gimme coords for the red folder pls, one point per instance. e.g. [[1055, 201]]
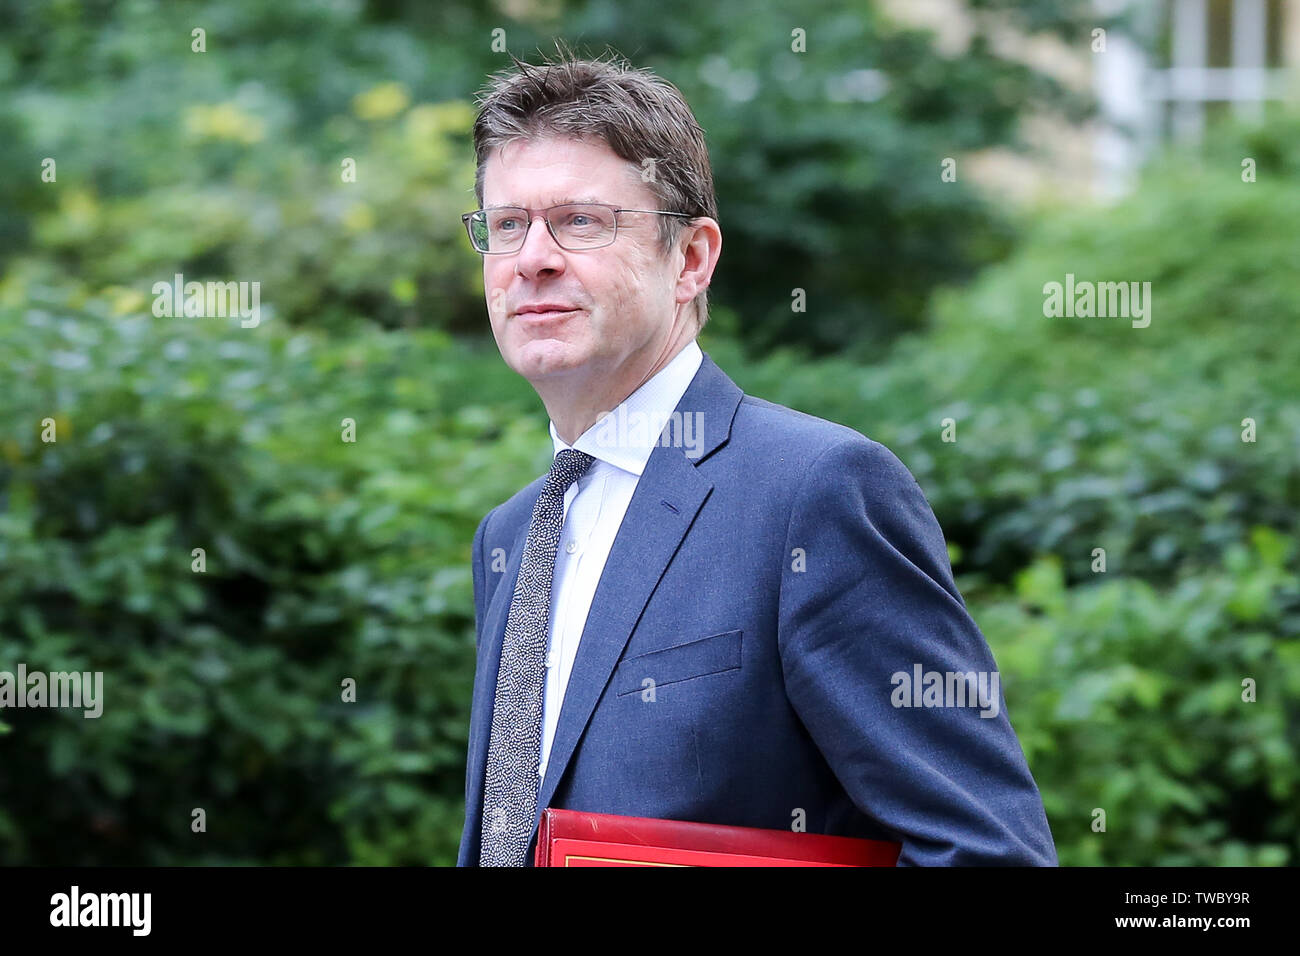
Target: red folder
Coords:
[[573, 838]]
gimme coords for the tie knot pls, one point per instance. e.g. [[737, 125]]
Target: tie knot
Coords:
[[569, 465]]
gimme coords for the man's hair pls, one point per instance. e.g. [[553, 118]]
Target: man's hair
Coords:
[[641, 117]]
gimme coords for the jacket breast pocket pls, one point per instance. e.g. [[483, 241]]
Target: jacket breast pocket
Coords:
[[714, 654]]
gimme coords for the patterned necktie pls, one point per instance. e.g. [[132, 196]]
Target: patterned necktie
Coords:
[[514, 749]]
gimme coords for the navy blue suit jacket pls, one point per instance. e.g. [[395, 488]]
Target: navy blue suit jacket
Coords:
[[736, 662]]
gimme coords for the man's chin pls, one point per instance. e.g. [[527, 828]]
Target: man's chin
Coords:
[[548, 358]]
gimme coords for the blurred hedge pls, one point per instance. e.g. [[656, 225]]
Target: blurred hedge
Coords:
[[385, 247], [227, 163], [1128, 697], [324, 560], [1075, 433]]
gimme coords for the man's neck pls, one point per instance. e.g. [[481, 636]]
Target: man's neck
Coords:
[[577, 409]]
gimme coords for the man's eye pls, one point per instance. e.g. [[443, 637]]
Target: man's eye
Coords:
[[583, 222], [504, 224]]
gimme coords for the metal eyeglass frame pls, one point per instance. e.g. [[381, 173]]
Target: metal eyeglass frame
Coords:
[[546, 216]]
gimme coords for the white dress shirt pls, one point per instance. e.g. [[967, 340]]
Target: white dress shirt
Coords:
[[594, 506]]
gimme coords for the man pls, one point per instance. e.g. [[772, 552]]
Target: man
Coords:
[[706, 610]]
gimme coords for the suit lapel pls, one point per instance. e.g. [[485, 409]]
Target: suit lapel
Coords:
[[668, 496]]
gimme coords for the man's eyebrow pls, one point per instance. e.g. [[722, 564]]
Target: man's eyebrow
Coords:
[[557, 202]]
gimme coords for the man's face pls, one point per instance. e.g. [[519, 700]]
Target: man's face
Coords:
[[618, 302]]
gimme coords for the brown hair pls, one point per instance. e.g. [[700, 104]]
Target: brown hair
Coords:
[[643, 119]]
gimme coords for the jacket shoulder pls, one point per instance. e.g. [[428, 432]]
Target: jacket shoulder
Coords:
[[767, 429]]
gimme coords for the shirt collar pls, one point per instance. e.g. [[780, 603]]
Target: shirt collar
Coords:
[[626, 436]]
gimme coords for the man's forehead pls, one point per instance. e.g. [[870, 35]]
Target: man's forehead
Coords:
[[550, 199], [554, 170]]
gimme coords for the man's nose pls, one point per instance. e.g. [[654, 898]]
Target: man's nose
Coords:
[[539, 253]]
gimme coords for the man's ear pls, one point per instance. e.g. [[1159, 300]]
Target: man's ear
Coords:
[[700, 245]]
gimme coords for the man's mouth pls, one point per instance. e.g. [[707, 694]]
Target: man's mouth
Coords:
[[545, 312]]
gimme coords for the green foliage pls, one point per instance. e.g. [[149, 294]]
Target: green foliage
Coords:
[[227, 163], [325, 560], [1132, 699], [387, 247], [1077, 433]]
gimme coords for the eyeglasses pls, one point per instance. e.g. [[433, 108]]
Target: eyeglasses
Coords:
[[575, 226]]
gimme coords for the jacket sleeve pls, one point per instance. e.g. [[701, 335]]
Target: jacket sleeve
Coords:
[[876, 601]]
